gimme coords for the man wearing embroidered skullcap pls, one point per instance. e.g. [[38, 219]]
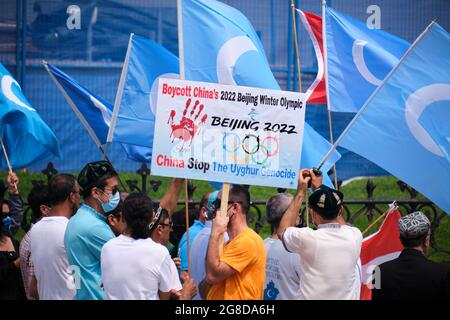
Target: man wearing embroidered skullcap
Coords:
[[412, 275], [88, 231], [328, 254]]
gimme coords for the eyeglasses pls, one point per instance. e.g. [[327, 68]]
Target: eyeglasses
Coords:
[[156, 218], [170, 224]]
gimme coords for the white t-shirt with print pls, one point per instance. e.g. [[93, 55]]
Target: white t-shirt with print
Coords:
[[328, 259], [283, 272], [136, 269]]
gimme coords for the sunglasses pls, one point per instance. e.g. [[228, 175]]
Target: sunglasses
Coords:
[[113, 191], [170, 224], [212, 207]]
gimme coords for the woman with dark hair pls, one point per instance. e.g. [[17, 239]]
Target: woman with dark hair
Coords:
[[134, 267], [11, 285]]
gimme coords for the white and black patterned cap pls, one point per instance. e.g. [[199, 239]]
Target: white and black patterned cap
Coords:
[[326, 200], [414, 225]]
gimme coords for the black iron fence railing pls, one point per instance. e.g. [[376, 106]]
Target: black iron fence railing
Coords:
[[368, 208]]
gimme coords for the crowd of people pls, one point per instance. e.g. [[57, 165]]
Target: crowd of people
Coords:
[[91, 241]]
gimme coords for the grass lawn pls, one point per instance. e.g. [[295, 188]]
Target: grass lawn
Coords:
[[386, 188]]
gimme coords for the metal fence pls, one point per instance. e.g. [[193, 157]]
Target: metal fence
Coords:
[[366, 210]]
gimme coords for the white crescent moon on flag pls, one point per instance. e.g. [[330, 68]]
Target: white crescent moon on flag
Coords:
[[229, 54], [6, 85], [360, 63], [153, 96], [106, 114], [416, 104]]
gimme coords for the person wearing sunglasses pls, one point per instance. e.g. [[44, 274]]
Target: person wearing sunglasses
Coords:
[[162, 228], [194, 230], [88, 230], [209, 207], [237, 274]]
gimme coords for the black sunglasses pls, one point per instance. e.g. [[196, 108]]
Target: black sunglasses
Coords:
[[170, 224], [113, 191], [215, 205]]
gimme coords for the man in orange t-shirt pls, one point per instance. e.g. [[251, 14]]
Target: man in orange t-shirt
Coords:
[[239, 274]]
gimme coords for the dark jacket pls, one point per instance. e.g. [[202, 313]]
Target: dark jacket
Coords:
[[11, 284], [413, 276], [15, 212]]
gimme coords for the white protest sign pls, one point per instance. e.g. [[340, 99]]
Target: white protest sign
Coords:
[[229, 134]]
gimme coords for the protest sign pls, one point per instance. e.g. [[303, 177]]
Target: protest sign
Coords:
[[231, 134]]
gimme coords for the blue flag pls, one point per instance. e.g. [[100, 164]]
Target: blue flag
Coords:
[[146, 61], [221, 46], [439, 130], [389, 130], [359, 59], [27, 138], [93, 112]]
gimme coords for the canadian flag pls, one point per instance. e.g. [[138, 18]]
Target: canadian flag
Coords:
[[316, 93], [382, 246]]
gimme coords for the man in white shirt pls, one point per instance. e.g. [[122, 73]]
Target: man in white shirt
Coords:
[[283, 269], [133, 266], [51, 267], [328, 254]]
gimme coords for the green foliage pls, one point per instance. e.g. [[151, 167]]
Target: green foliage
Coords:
[[386, 188]]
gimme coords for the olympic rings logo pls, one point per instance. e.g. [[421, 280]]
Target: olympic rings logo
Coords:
[[251, 147]]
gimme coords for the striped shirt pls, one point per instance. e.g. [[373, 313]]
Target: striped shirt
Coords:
[[26, 264]]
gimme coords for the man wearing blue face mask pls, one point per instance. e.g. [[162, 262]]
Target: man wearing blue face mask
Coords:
[[88, 230]]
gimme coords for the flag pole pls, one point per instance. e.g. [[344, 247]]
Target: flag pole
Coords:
[[82, 119], [7, 162], [299, 76], [325, 58], [369, 100], [297, 55], [373, 224], [187, 226], [392, 206], [181, 59], [118, 99], [74, 108]]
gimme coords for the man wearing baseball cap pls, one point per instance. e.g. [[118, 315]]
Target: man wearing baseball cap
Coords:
[[328, 254], [412, 275]]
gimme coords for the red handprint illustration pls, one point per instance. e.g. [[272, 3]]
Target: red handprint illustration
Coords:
[[188, 126]]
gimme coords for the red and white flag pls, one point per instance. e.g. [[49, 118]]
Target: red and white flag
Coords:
[[316, 93], [382, 246]]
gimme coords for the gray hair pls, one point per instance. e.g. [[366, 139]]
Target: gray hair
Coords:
[[276, 206]]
